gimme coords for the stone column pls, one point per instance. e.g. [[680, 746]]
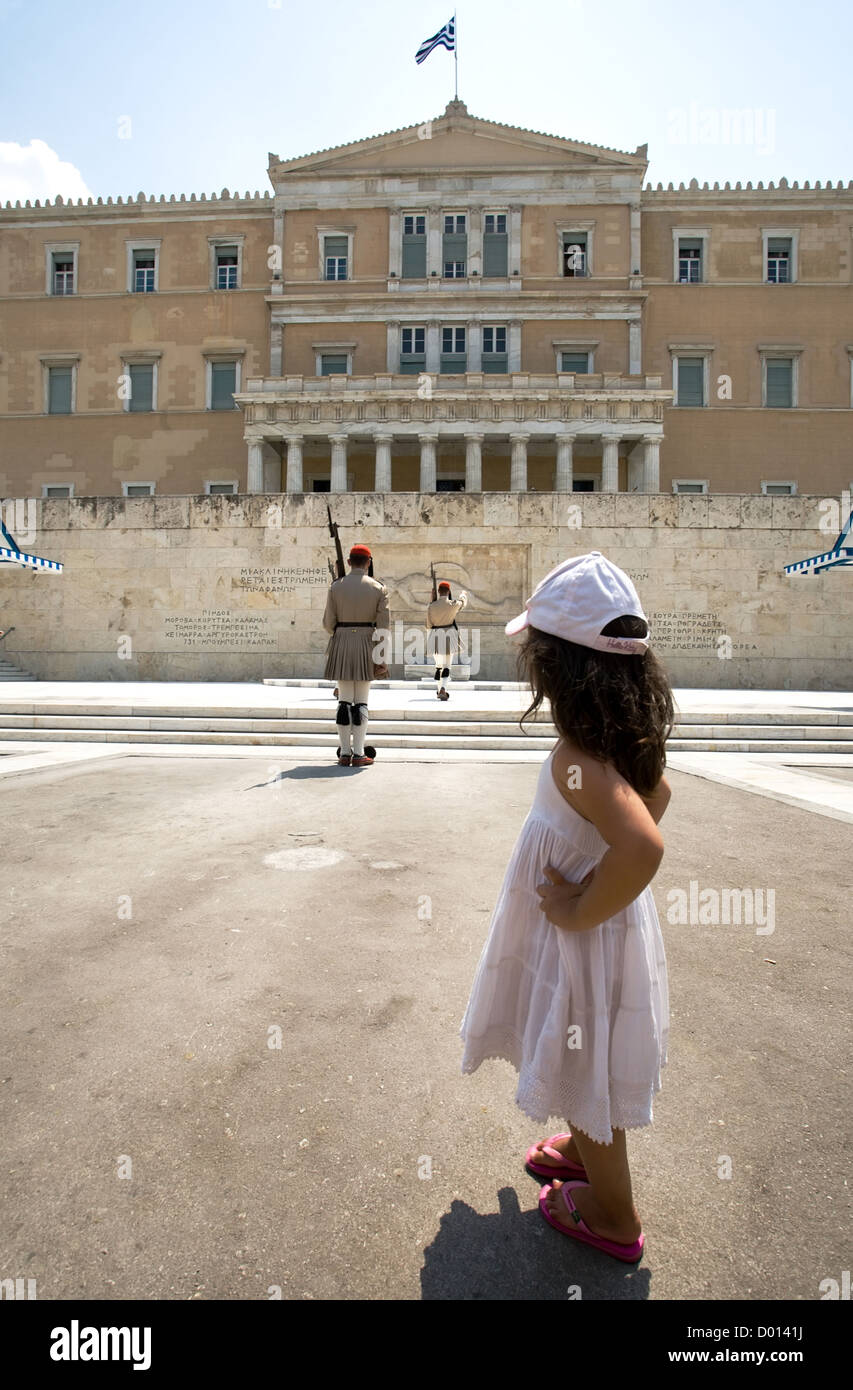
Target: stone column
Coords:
[[475, 345], [635, 347], [392, 334], [255, 472], [610, 464], [565, 463], [294, 463], [382, 479], [514, 345], [518, 467], [429, 443], [434, 242], [395, 248], [636, 249], [651, 463], [433, 348], [475, 241], [339, 463], [473, 463], [276, 348], [514, 244]]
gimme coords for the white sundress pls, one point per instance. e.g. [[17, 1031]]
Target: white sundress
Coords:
[[535, 981]]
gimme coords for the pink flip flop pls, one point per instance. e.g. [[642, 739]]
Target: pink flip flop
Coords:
[[630, 1254], [567, 1169]]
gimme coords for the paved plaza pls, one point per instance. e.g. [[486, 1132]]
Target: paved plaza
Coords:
[[172, 915]]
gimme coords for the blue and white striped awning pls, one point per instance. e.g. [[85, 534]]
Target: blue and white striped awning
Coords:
[[11, 555], [840, 554]]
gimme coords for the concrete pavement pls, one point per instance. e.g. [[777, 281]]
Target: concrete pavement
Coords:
[[166, 916]]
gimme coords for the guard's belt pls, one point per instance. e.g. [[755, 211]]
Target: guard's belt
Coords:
[[337, 625]]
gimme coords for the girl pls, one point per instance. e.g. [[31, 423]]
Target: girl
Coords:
[[571, 987]]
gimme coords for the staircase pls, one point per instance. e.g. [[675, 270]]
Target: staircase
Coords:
[[10, 672], [474, 728]]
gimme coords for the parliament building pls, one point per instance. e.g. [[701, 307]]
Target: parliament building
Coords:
[[459, 305]]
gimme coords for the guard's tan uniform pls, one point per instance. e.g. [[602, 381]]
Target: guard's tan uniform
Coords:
[[442, 638], [355, 599]]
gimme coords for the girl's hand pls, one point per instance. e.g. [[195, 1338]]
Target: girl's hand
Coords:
[[559, 898]]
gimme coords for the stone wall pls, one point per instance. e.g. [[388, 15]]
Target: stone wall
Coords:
[[229, 588]]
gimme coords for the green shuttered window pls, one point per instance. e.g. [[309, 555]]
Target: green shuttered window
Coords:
[[141, 388], [780, 381], [59, 390], [691, 381], [223, 385]]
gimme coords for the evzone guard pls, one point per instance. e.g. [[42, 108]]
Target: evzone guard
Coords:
[[357, 605], [443, 634]]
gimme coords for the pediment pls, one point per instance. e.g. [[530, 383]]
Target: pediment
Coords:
[[458, 142]]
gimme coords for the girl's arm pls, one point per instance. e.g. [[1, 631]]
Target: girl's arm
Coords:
[[659, 800], [635, 851]]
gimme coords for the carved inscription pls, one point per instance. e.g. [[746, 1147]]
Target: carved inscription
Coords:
[[218, 629]]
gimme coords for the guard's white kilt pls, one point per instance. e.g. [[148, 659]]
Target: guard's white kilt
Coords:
[[442, 643]]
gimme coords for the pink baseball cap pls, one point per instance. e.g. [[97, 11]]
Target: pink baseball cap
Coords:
[[579, 598]]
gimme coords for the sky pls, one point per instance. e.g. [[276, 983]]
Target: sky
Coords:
[[189, 96]]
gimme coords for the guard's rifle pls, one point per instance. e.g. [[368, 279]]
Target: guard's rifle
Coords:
[[339, 564], [337, 571], [434, 585]]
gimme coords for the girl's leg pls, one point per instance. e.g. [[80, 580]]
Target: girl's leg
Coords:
[[607, 1204]]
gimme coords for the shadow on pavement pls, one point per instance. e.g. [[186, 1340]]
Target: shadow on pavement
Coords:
[[311, 770], [513, 1255]]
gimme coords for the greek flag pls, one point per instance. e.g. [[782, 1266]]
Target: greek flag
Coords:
[[446, 37]]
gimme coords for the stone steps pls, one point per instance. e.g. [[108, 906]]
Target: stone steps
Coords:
[[436, 727], [471, 742]]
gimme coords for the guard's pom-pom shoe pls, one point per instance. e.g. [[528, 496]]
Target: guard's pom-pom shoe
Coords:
[[360, 760]]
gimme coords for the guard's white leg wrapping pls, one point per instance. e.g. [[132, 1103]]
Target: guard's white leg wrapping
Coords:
[[361, 690]]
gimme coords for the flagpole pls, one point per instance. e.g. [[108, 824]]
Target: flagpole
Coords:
[[456, 56]]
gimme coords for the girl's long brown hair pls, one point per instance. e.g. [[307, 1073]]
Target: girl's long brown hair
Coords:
[[617, 708]]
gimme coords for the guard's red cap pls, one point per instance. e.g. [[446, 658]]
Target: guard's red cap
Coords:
[[444, 587], [361, 552]]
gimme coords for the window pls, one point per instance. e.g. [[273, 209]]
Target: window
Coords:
[[779, 260], [583, 484], [495, 244], [414, 246], [61, 267], [690, 380], [778, 381], [59, 390], [57, 489], [336, 255], [226, 267], [779, 489], [577, 362], [141, 387], [412, 351], [454, 245], [689, 260], [495, 357], [450, 484], [223, 384], [689, 485], [333, 364], [212, 489], [138, 489], [453, 353], [63, 273], [143, 272], [574, 253]]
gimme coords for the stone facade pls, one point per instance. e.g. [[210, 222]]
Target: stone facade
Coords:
[[542, 309], [233, 588]]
